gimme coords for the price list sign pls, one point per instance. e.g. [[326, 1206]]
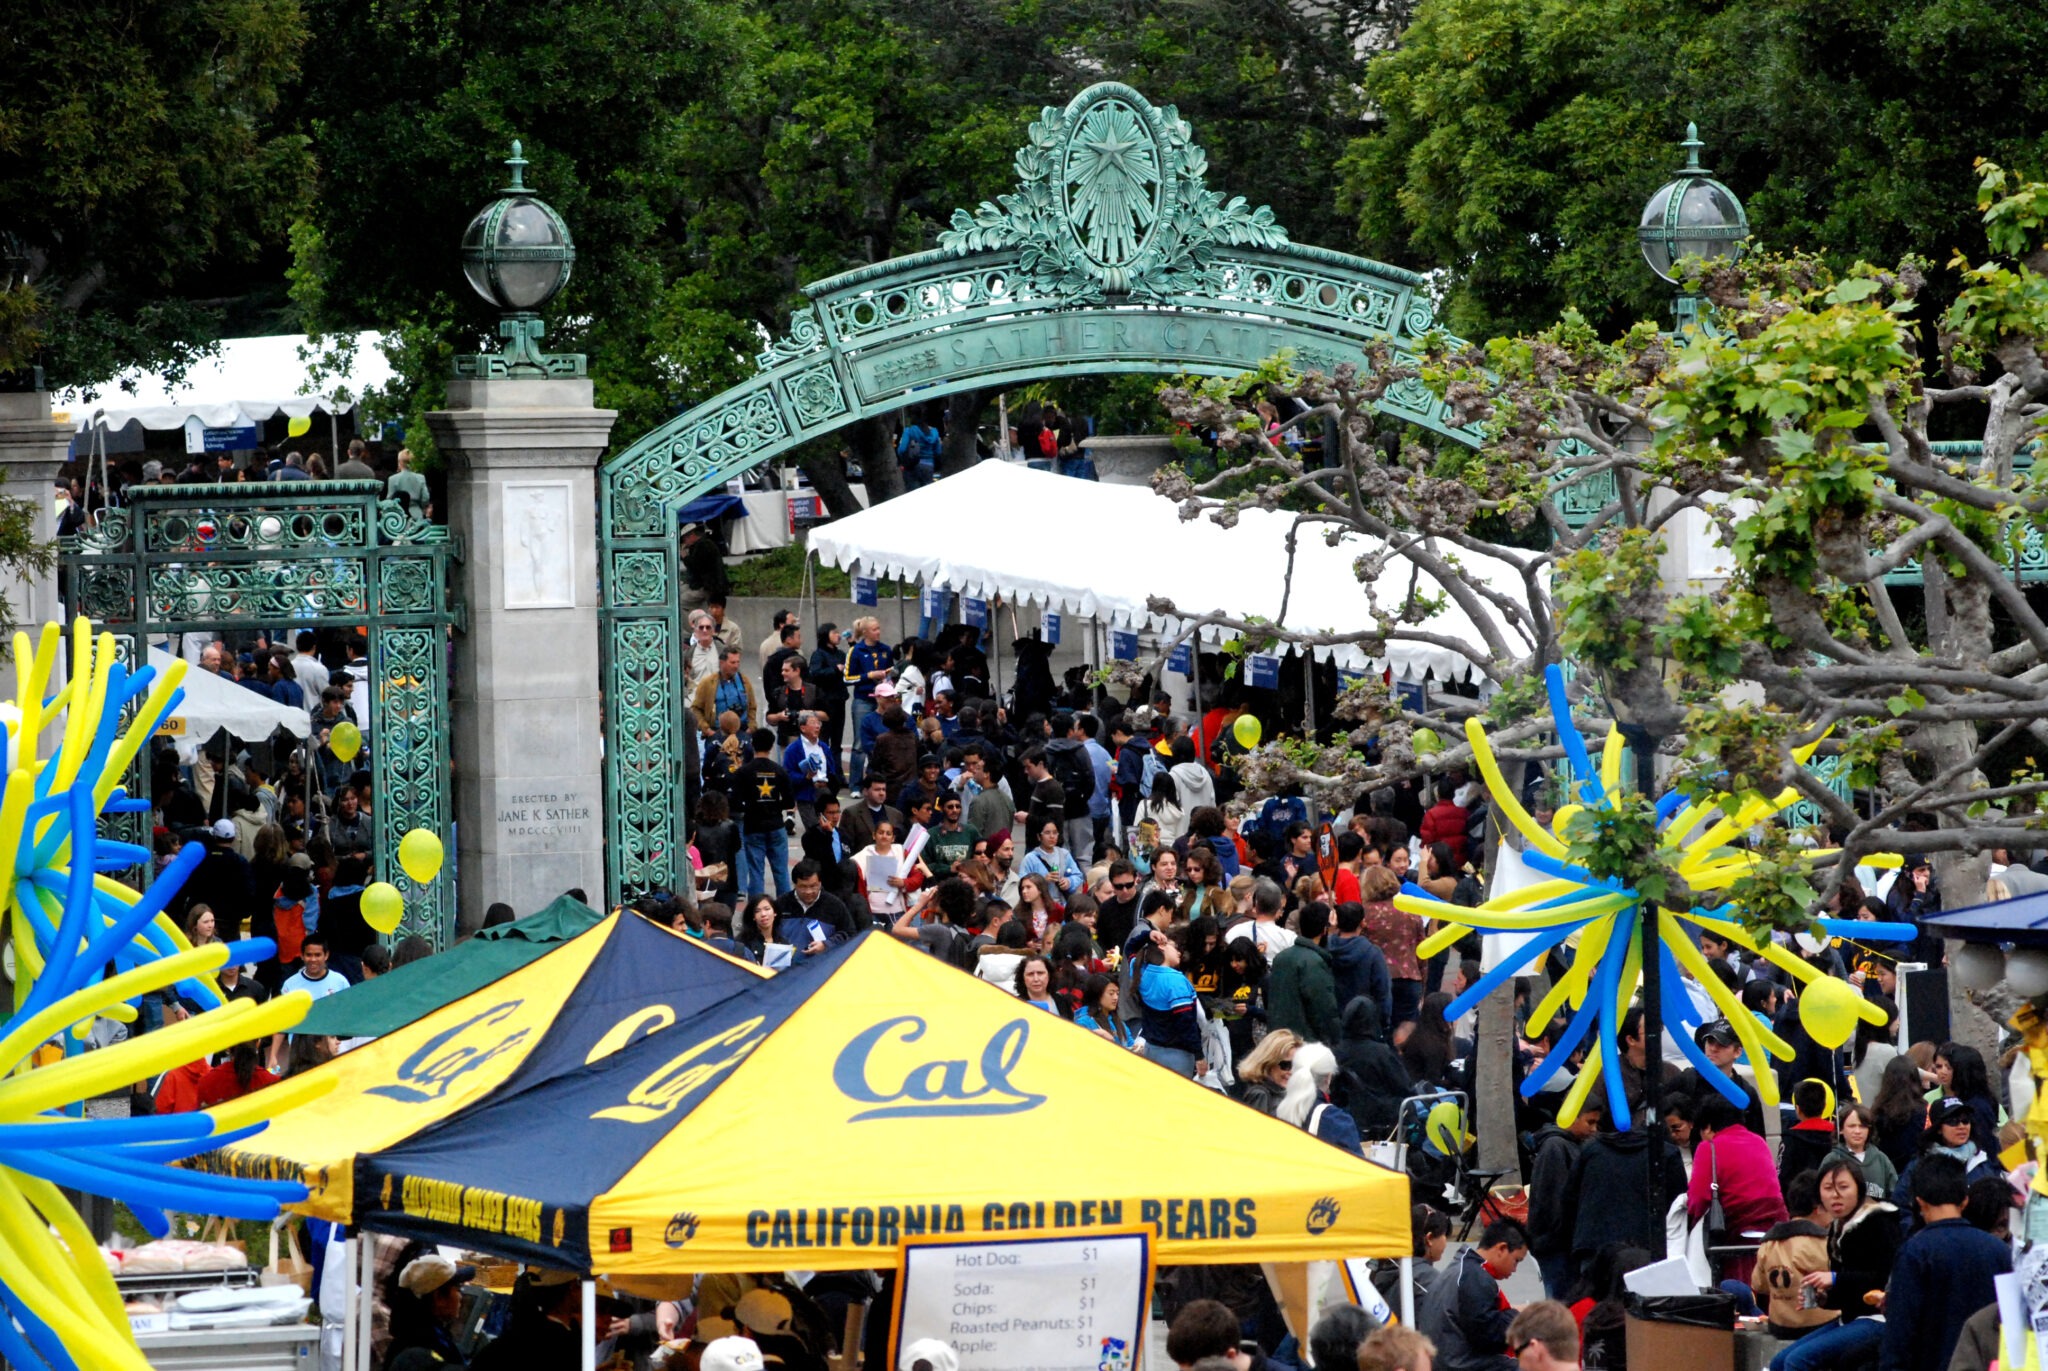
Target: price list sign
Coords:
[[1034, 1304]]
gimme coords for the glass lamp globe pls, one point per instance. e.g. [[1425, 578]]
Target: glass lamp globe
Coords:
[[516, 252], [1691, 216]]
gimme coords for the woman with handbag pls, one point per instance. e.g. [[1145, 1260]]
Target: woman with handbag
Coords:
[[1734, 1188]]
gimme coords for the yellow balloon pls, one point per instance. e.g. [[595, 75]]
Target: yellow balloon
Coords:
[[1563, 817], [298, 427], [1246, 729], [1425, 742], [1445, 1126], [346, 740], [419, 852], [1828, 1010], [383, 906]]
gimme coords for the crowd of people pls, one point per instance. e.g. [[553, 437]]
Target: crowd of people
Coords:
[[1086, 856], [82, 495]]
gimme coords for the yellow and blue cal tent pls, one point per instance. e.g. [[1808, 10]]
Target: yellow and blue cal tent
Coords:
[[623, 979], [870, 1095]]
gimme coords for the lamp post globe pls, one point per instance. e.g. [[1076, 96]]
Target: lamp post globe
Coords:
[[1692, 215], [517, 254]]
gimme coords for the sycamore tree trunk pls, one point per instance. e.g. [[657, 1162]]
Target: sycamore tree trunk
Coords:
[[964, 410], [1493, 1071], [873, 446], [825, 467]]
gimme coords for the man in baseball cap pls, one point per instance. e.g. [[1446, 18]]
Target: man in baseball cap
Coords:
[[1717, 1042], [423, 1315], [731, 1354]]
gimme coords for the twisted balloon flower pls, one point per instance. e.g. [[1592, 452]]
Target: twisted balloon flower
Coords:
[[88, 947], [1605, 918]]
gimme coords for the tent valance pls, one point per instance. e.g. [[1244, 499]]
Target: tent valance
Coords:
[[1102, 550]]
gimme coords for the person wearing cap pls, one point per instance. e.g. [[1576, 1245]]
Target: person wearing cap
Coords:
[[928, 1354], [1950, 1120], [221, 882], [731, 1353], [423, 1312], [703, 568], [1717, 1041]]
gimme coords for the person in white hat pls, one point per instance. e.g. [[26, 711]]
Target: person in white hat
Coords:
[[731, 1354], [928, 1354]]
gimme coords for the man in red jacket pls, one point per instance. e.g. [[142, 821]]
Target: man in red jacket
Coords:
[[1445, 820]]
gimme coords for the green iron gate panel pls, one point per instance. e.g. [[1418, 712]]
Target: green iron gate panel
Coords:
[[1112, 255], [297, 555]]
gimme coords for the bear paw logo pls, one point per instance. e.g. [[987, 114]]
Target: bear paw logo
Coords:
[[680, 1230], [1322, 1215]]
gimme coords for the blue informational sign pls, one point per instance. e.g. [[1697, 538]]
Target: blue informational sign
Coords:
[[1123, 646], [864, 591], [1182, 659], [1262, 671], [1052, 629], [938, 604], [973, 612], [1411, 695]]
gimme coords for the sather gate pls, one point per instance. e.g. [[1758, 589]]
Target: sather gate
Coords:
[[1112, 255]]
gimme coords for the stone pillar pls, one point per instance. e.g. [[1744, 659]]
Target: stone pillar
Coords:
[[32, 447], [529, 781]]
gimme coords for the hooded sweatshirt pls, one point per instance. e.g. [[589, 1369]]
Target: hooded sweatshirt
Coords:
[[1371, 1082], [1193, 784], [1790, 1250], [1361, 969]]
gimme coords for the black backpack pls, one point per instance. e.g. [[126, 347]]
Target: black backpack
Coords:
[[1076, 775]]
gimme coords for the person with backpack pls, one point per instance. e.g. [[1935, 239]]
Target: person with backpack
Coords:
[[917, 453], [1066, 756], [1133, 775]]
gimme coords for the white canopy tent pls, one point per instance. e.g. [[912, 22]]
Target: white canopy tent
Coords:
[[213, 703], [247, 382], [1087, 548]]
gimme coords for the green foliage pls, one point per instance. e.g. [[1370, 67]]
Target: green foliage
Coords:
[[1521, 138], [1619, 844], [145, 167], [1774, 895], [1608, 600]]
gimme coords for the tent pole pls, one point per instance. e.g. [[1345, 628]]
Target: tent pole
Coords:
[[334, 438], [995, 647], [1195, 679], [589, 1338], [903, 629], [352, 1254], [366, 1304], [1408, 1291], [1308, 692]]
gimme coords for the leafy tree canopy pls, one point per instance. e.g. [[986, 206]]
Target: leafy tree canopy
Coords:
[[1521, 139], [144, 175]]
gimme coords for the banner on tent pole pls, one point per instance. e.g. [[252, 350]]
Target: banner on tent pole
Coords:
[[973, 611], [1123, 645], [864, 591], [1028, 1304], [938, 604], [1052, 629], [1412, 696], [1262, 671], [1358, 1285], [1182, 660]]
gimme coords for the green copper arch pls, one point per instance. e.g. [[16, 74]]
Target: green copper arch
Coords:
[[1111, 255]]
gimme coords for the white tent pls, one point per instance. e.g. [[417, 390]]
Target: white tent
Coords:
[[248, 381], [213, 703], [1083, 547]]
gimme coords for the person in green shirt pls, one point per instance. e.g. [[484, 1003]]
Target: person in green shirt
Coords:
[[952, 841]]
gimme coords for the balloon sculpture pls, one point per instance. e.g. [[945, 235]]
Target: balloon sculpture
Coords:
[[86, 948], [1606, 918]]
